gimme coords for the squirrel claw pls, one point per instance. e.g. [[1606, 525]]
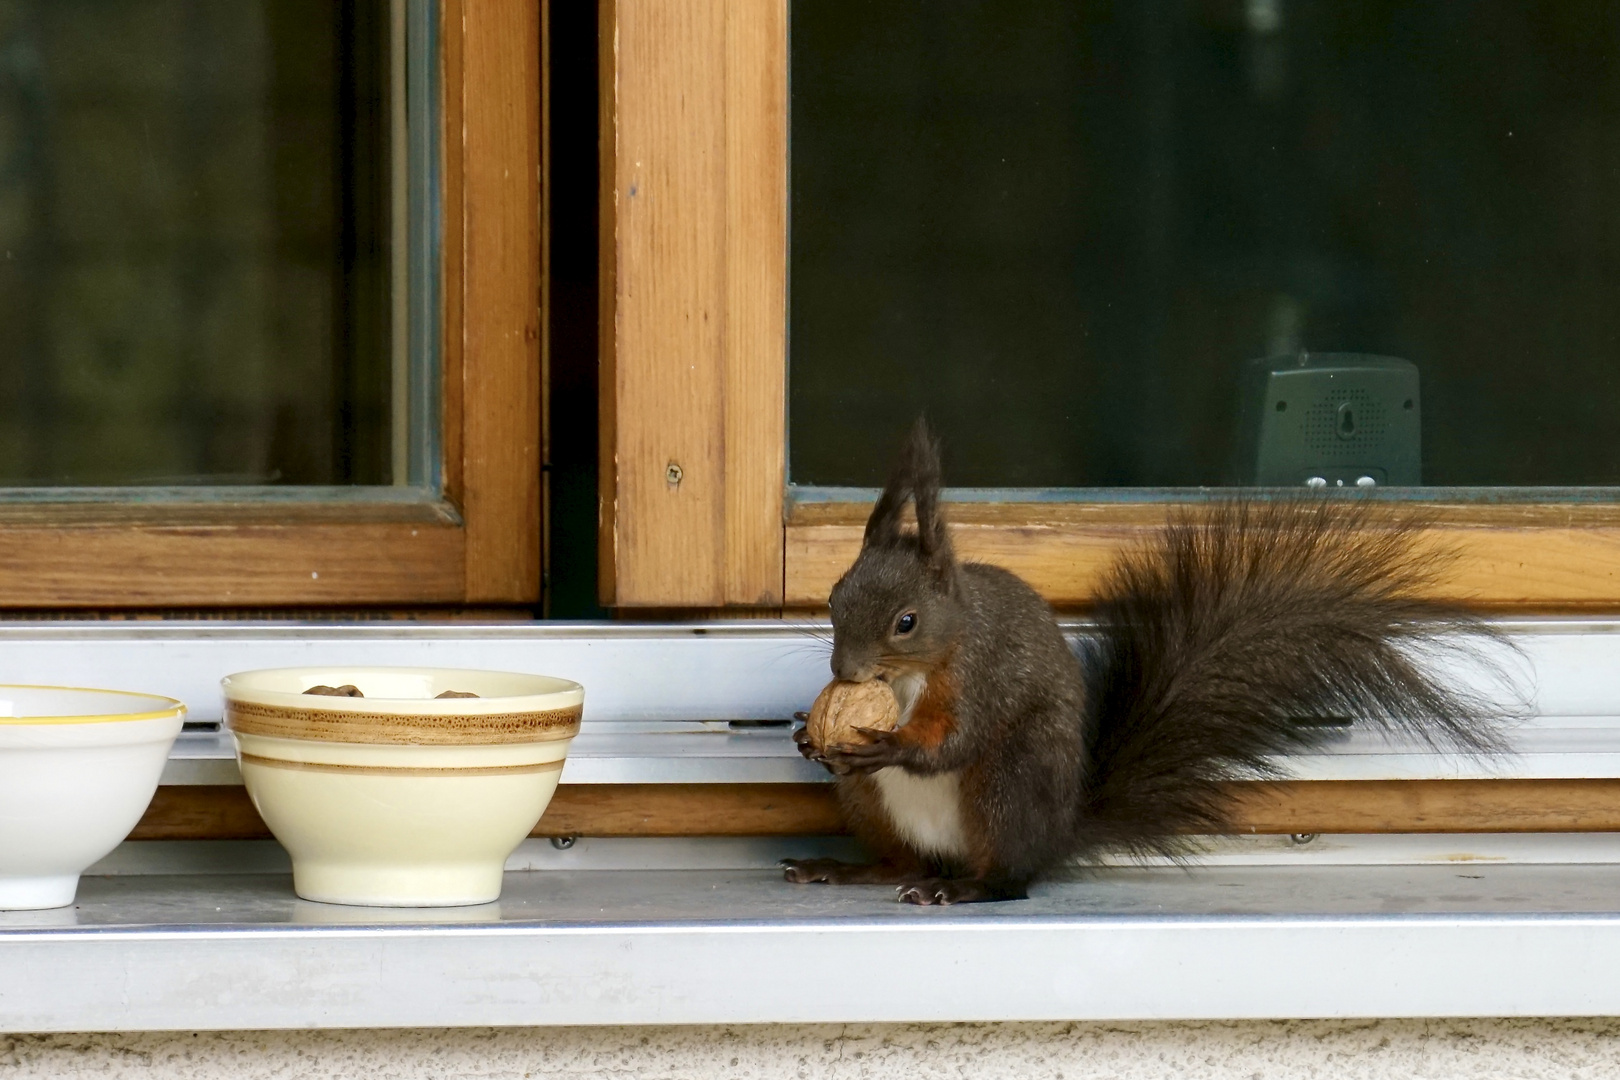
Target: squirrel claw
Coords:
[[810, 871], [929, 892], [881, 753], [802, 740]]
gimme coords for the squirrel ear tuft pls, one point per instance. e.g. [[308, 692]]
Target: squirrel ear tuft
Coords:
[[883, 526], [916, 476], [933, 541]]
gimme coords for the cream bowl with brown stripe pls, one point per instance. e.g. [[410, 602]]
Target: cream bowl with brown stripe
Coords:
[[400, 797]]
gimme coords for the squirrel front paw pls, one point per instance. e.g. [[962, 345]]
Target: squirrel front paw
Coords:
[[801, 739], [833, 758], [883, 751]]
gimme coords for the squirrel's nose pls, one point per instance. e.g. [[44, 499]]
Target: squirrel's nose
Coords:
[[850, 670]]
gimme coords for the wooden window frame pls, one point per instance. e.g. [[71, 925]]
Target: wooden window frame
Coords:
[[1261, 808], [696, 511], [480, 542]]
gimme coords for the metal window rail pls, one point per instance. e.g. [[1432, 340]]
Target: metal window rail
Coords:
[[711, 703], [1350, 937]]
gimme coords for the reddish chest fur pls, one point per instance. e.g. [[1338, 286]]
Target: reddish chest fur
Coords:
[[933, 718]]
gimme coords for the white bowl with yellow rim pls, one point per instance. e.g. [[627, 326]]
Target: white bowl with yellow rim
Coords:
[[400, 797], [78, 767]]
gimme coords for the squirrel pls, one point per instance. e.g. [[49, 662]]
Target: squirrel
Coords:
[[1241, 631]]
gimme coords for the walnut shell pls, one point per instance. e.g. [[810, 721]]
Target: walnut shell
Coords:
[[346, 690], [841, 707]]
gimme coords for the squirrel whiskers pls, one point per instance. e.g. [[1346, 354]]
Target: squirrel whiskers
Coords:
[[1242, 631]]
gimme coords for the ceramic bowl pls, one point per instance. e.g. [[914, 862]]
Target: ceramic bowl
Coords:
[[401, 798], [77, 770]]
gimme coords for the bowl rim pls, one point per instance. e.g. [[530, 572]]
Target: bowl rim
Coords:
[[174, 708], [235, 687]]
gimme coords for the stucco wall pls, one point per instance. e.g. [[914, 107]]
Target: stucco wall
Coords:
[[1401, 1050]]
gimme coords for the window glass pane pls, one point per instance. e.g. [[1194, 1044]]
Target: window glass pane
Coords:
[[1066, 229], [205, 236]]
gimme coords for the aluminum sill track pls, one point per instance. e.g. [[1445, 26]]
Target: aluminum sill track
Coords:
[[238, 951]]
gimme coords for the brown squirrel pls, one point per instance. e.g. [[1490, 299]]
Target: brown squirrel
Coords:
[[1244, 630]]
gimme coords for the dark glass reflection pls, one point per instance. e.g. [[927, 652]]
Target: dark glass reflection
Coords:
[[1063, 229], [194, 233]]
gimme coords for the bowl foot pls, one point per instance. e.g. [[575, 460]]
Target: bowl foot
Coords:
[[398, 886], [34, 893]]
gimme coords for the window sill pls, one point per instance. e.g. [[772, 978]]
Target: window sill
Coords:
[[604, 752], [642, 946], [608, 753], [679, 704], [1484, 926], [674, 713]]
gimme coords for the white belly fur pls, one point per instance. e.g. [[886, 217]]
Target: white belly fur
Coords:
[[926, 811]]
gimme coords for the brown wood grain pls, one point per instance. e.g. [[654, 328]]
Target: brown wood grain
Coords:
[[214, 563], [664, 192], [201, 812], [1524, 558], [694, 259], [224, 813], [755, 355], [691, 810], [1323, 806], [1428, 806], [1530, 515], [452, 247], [501, 288]]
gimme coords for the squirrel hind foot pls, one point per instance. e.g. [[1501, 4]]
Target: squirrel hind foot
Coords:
[[837, 872], [941, 892]]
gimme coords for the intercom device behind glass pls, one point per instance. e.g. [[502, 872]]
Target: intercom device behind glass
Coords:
[[1329, 420]]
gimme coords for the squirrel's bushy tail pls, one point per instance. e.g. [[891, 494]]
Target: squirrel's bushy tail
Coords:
[[1247, 630]]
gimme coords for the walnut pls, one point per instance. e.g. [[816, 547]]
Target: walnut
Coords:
[[346, 690], [842, 707], [351, 690]]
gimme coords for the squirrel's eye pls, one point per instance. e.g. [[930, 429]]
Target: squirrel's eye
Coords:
[[907, 623]]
